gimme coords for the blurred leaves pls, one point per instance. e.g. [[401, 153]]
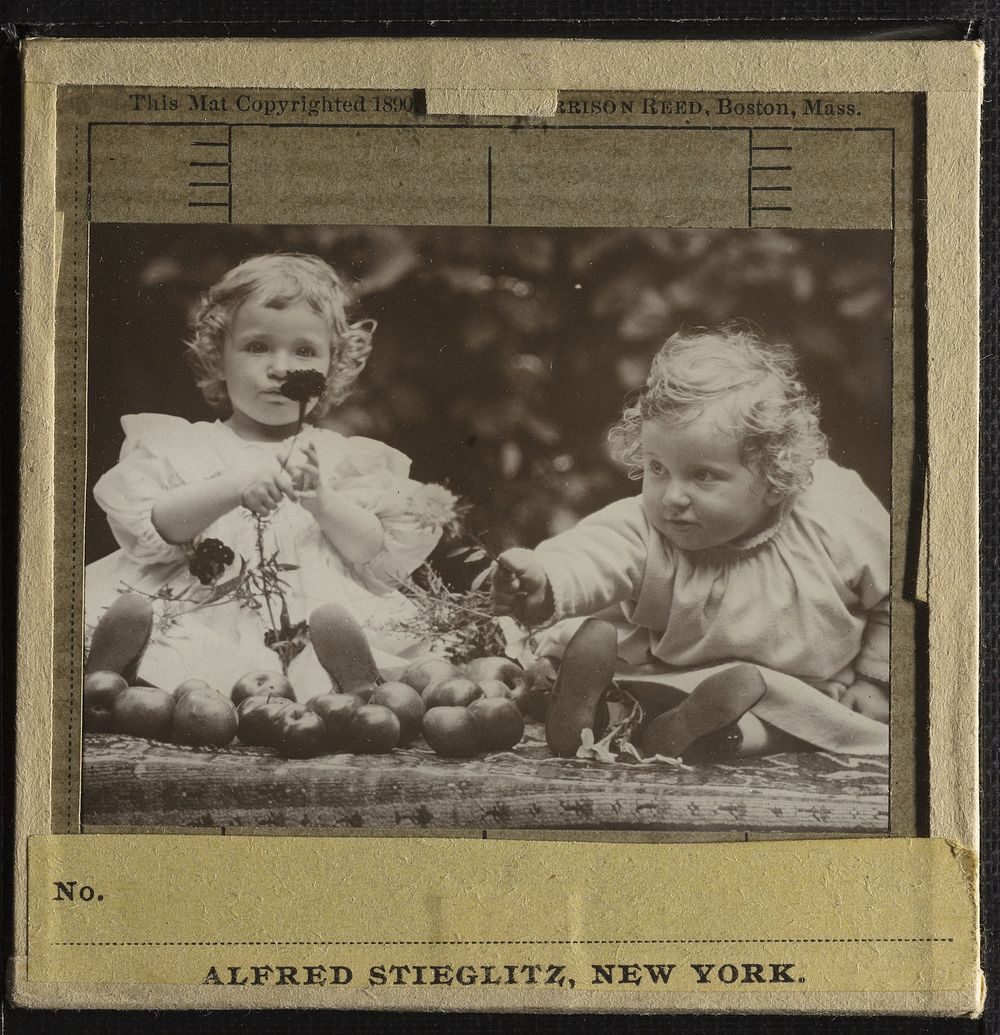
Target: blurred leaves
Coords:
[[502, 355]]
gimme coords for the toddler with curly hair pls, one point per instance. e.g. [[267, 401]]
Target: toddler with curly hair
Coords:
[[337, 519], [743, 597]]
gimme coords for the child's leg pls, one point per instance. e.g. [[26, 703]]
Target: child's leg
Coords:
[[121, 637], [714, 719], [715, 710], [342, 649], [585, 674], [713, 722], [757, 737], [705, 724]]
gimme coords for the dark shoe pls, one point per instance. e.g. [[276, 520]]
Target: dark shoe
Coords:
[[716, 747], [121, 637], [714, 704], [342, 649], [587, 669]]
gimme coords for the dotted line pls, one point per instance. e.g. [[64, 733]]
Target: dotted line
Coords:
[[70, 725], [554, 941]]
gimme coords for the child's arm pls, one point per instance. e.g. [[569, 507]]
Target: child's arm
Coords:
[[354, 532], [184, 512], [869, 693], [598, 563], [868, 544]]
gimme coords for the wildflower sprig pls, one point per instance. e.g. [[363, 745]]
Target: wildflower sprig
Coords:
[[461, 623], [259, 587]]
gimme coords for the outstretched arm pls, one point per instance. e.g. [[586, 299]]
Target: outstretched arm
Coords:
[[598, 563]]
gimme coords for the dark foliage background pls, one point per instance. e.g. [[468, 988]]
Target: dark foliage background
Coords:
[[503, 355]]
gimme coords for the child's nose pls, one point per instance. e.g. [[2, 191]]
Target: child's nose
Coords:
[[278, 367], [675, 495]]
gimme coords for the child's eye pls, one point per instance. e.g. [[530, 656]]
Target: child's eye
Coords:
[[255, 347], [654, 467], [306, 352], [704, 476]]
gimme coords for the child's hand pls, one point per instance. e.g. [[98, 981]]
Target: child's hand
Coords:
[[314, 492], [262, 484], [521, 588], [867, 698]]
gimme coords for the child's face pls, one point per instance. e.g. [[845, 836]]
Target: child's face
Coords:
[[262, 347], [695, 489]]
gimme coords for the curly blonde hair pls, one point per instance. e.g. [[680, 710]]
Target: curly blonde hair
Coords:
[[752, 387], [278, 280]]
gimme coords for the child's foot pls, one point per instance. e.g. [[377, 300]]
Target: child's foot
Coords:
[[714, 704], [121, 637], [587, 668], [342, 649], [715, 747]]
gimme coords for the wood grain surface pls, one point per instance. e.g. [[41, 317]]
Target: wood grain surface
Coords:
[[133, 782]]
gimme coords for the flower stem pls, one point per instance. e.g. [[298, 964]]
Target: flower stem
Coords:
[[263, 581], [298, 430]]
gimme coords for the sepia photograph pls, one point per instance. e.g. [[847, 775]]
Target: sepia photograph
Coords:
[[466, 484], [488, 528]]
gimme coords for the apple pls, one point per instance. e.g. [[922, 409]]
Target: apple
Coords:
[[520, 696], [421, 674], [261, 684], [100, 689], [405, 703], [335, 710], [452, 732], [361, 692], [258, 720], [191, 686], [494, 688], [501, 724], [144, 711], [301, 733], [540, 678], [373, 730], [494, 668], [451, 692], [202, 720]]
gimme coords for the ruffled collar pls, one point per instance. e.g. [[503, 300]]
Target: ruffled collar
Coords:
[[746, 544], [227, 432], [765, 535]]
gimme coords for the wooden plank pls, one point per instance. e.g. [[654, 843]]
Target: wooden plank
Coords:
[[131, 782]]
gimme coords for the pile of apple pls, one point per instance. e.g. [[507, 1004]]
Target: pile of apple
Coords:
[[460, 712], [479, 707], [193, 714]]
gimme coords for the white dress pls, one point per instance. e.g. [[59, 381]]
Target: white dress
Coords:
[[223, 641]]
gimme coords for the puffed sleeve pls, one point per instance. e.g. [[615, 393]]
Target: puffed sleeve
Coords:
[[376, 477], [856, 528], [600, 562], [155, 456]]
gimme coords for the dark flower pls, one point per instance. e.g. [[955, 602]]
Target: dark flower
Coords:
[[303, 385], [209, 559]]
